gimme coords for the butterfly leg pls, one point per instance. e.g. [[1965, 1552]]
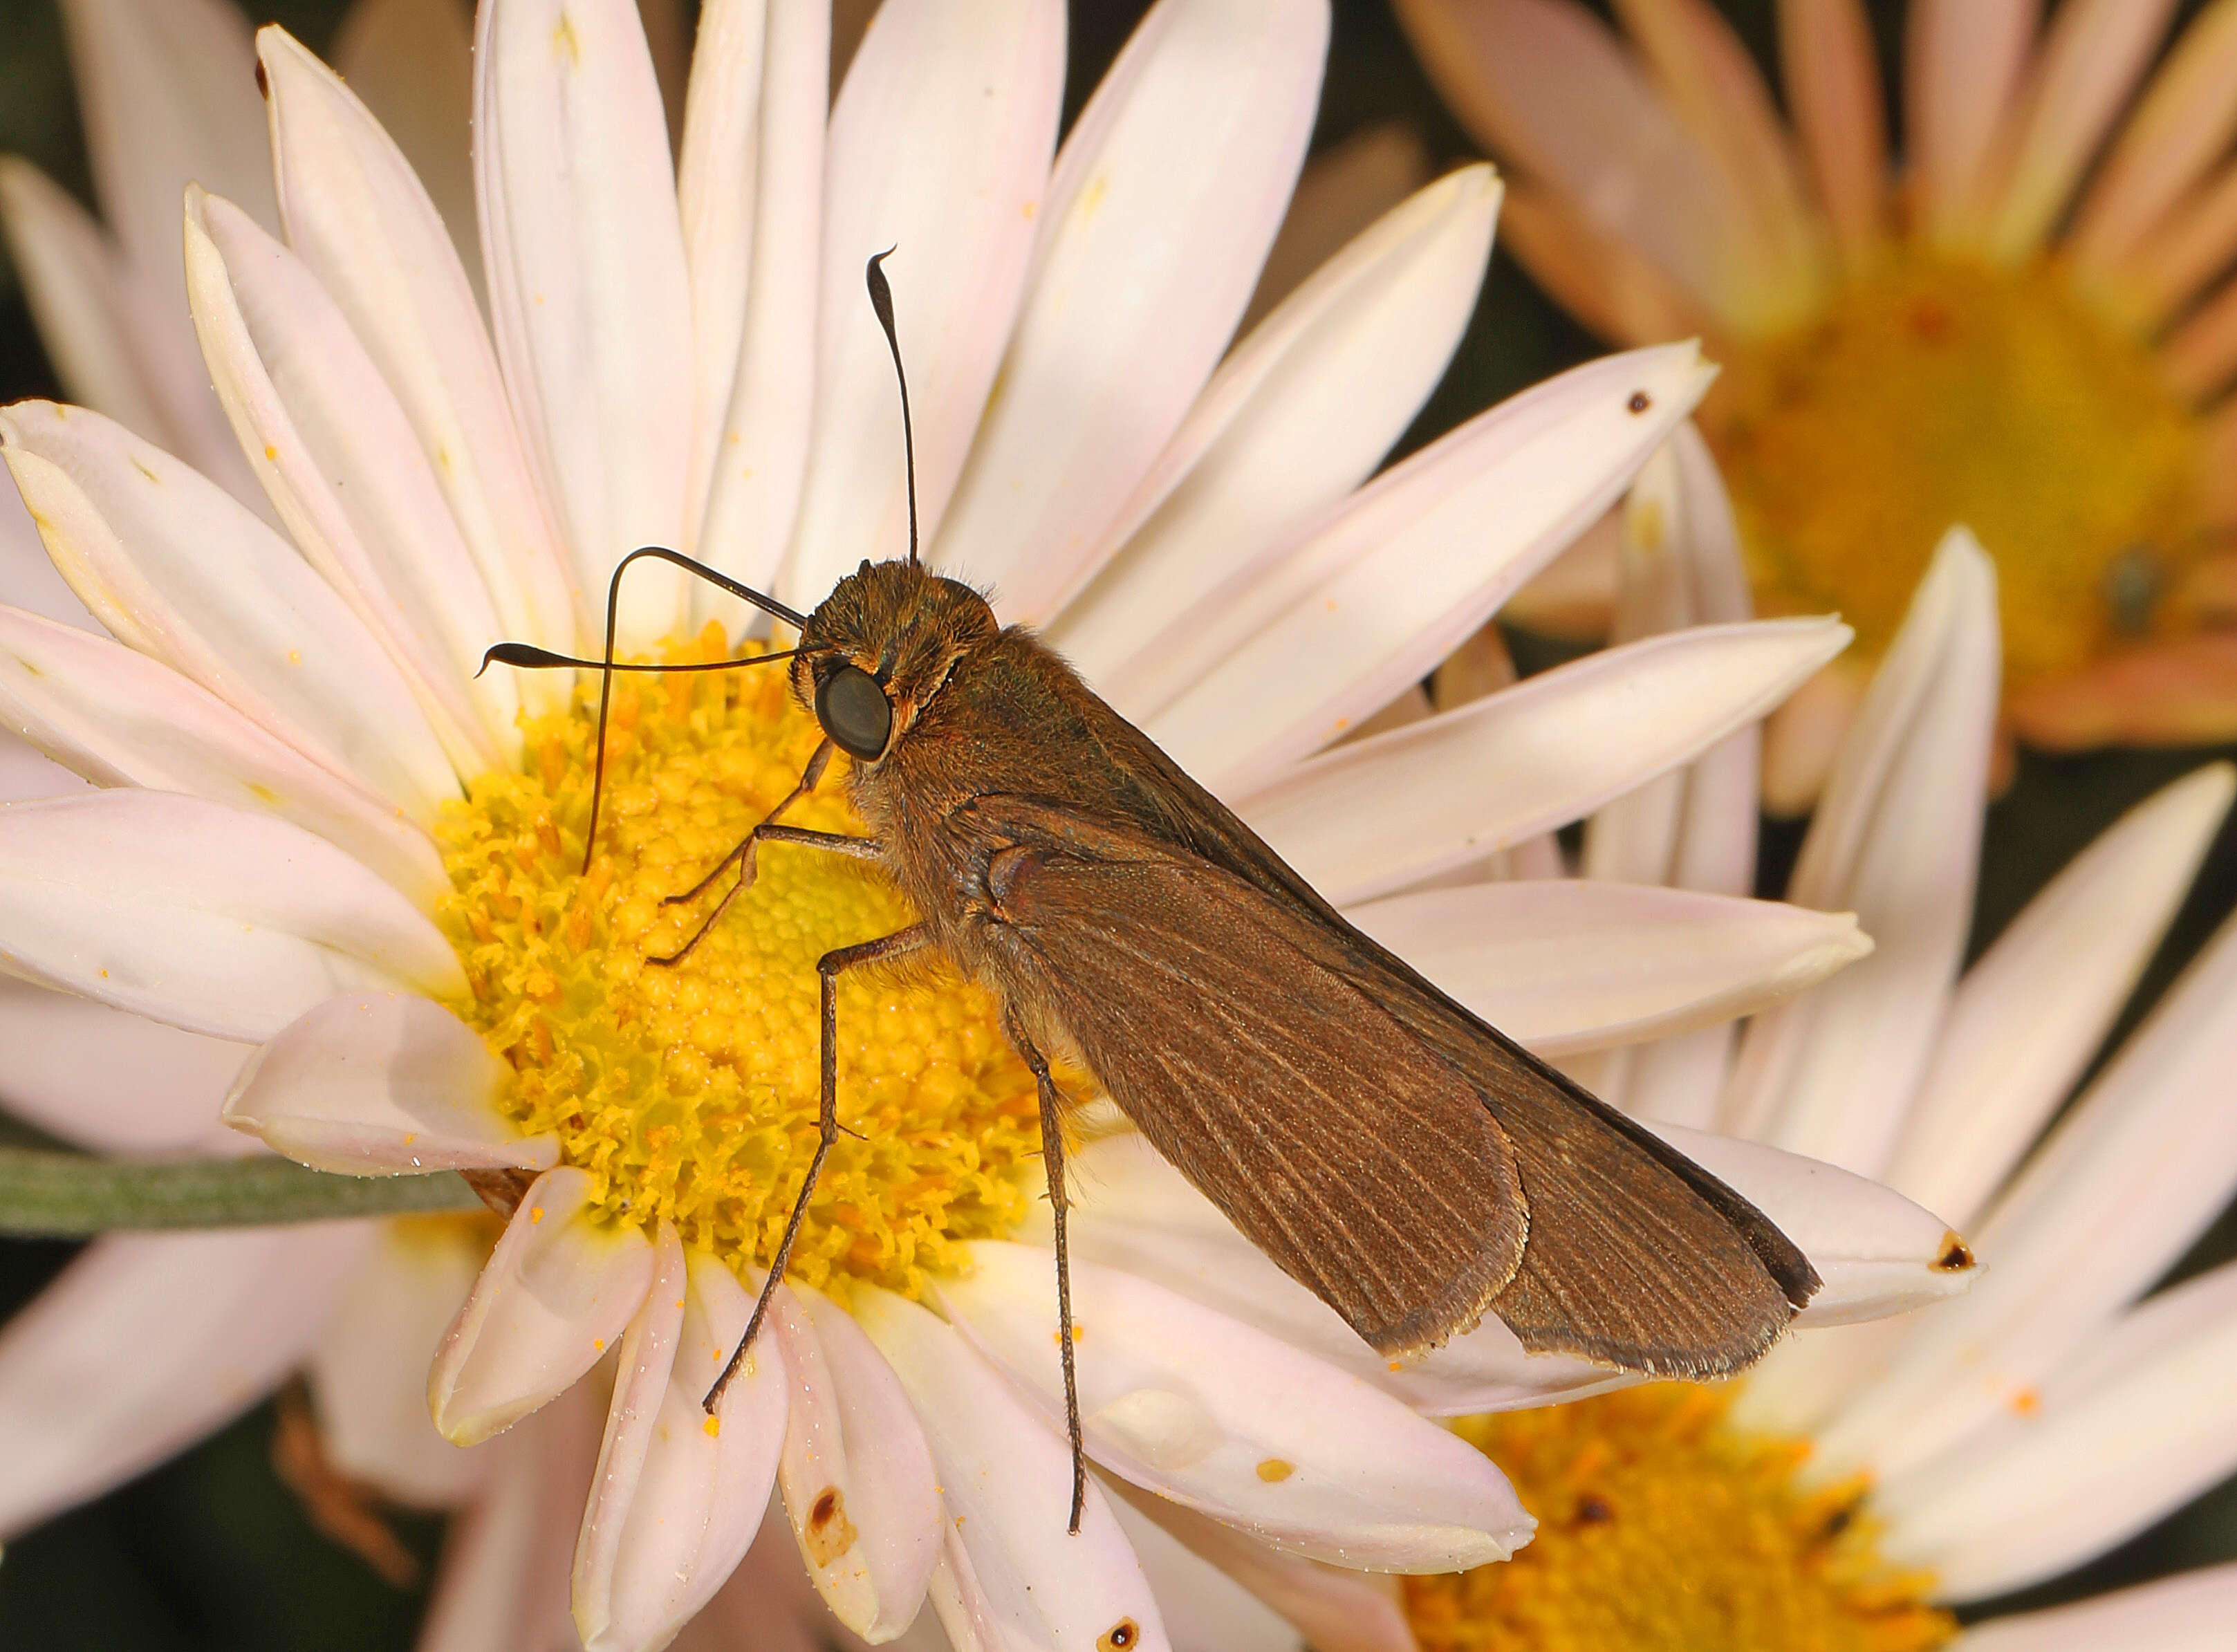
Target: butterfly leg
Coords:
[[829, 969], [1053, 1161]]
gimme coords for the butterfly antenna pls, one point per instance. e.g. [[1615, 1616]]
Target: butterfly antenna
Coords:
[[533, 659], [881, 301]]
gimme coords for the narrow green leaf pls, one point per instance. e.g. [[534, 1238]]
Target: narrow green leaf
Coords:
[[67, 1195]]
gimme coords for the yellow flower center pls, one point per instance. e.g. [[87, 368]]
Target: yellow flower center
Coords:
[[1664, 1529], [1938, 392], [690, 1092]]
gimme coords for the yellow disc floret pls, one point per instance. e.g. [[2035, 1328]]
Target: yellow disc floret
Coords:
[[1664, 1529], [690, 1092], [1937, 392]]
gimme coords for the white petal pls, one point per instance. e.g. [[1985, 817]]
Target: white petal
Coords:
[[2131, 1174], [413, 64], [1338, 1609], [504, 1583], [1147, 260], [211, 1321], [1006, 1482], [680, 1493], [856, 1472], [82, 295], [384, 1084], [1876, 1253], [368, 1369], [763, 452], [940, 145], [2146, 1424], [557, 1291], [119, 718], [1565, 965], [359, 218], [1299, 415], [28, 577], [1196, 1406], [339, 464], [1210, 1611], [176, 568], [1298, 647], [1896, 840], [586, 281], [2189, 1612], [209, 918], [2033, 1011], [716, 175], [106, 1081], [1376, 815]]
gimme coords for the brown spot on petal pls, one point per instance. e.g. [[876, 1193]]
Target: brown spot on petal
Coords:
[[1956, 1256], [826, 1533], [1119, 1636]]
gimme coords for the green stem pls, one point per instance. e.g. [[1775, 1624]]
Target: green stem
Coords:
[[67, 1195]]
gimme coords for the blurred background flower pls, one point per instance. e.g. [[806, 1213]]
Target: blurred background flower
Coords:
[[230, 1545]]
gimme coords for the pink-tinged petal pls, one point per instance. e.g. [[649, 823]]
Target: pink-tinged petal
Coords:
[[1545, 84], [411, 63], [558, 1291], [337, 459], [1802, 739], [1805, 1380], [856, 1473], [1961, 79], [717, 172], [82, 297], [362, 222], [503, 1586], [1831, 75], [2129, 1176], [1006, 1482], [1710, 85], [1895, 841], [2104, 1451], [2180, 128], [1597, 276], [118, 718], [1319, 632], [1340, 194], [2027, 1017], [1339, 1610], [1146, 261], [1210, 1611], [384, 1084], [1368, 819], [209, 918], [680, 1494], [2189, 1612], [1190, 1404], [586, 281], [2092, 55], [25, 773], [1877, 1252], [106, 1081], [1136, 1213], [27, 579], [937, 94], [146, 1342], [1296, 417], [1568, 965], [2200, 358], [761, 456], [2179, 692], [368, 1368], [2193, 244], [174, 567]]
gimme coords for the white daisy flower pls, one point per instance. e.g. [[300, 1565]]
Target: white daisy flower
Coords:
[[1860, 1481], [314, 830]]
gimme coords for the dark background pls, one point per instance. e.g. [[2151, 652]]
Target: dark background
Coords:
[[212, 1551]]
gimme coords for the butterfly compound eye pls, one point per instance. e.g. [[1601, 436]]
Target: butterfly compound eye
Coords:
[[854, 711]]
